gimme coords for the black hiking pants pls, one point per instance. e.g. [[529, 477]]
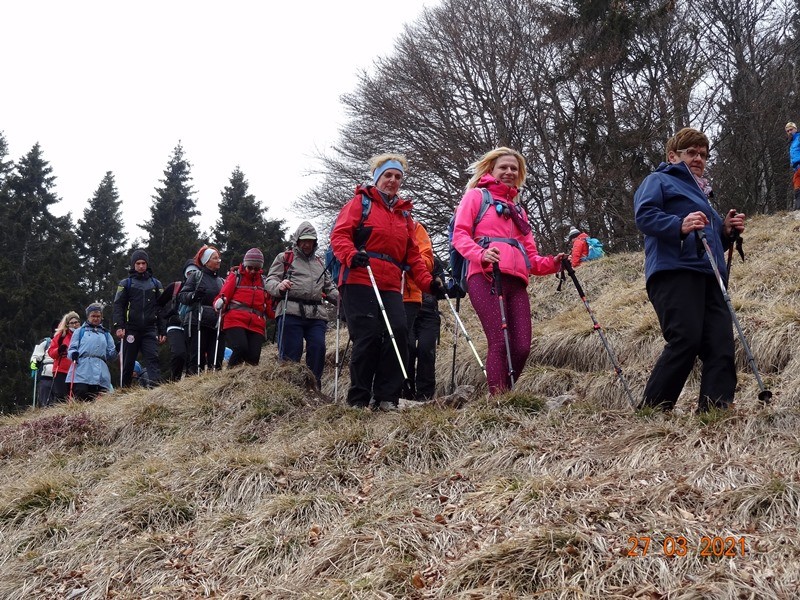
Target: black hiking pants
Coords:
[[145, 341], [374, 369], [696, 323]]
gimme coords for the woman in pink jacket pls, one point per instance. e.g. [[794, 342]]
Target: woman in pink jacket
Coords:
[[503, 236]]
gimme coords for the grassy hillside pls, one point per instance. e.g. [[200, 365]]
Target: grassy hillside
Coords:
[[244, 484]]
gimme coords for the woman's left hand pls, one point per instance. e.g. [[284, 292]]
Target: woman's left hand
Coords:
[[733, 222]]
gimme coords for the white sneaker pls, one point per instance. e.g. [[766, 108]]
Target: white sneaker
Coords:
[[387, 406]]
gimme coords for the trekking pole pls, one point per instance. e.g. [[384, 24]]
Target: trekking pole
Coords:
[[344, 354], [455, 344], [199, 317], [386, 320], [283, 318], [736, 243], [72, 381], [55, 374], [216, 346], [35, 381], [764, 396], [566, 265], [460, 324], [336, 371], [498, 289], [121, 362]]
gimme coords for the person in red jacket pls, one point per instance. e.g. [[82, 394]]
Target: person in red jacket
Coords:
[[246, 307], [580, 247], [58, 352], [385, 241]]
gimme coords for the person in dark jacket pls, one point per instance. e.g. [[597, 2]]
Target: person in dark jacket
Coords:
[[200, 323], [671, 207], [170, 310], [136, 318], [386, 242], [245, 306]]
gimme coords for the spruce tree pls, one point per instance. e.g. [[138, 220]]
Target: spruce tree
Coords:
[[172, 235], [40, 263], [101, 237], [242, 224]]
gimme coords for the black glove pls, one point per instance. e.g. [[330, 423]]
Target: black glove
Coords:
[[361, 259], [62, 350], [438, 289], [74, 356]]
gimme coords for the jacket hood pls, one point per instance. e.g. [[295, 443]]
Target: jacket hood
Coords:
[[497, 188], [305, 229]]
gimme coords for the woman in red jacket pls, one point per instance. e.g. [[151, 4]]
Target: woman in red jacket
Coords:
[[58, 352], [246, 308], [375, 229]]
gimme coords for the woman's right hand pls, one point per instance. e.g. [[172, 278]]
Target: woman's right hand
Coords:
[[284, 285], [693, 222], [491, 255]]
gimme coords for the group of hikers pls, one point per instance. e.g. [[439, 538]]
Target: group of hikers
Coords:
[[388, 283]]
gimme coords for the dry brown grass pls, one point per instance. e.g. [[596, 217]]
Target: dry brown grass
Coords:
[[245, 484]]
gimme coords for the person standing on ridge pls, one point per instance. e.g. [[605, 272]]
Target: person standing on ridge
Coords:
[[501, 240], [298, 281], [672, 209], [580, 247], [794, 160], [373, 238], [245, 307], [137, 320]]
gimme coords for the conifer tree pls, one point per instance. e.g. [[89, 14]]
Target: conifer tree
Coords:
[[101, 237], [172, 235], [41, 267], [242, 224]]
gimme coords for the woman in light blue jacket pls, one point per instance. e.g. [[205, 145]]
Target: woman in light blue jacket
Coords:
[[90, 348]]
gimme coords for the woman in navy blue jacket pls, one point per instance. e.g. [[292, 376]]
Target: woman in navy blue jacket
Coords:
[[671, 206]]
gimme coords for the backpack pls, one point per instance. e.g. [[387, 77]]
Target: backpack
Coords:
[[457, 282], [185, 309], [332, 264], [595, 249]]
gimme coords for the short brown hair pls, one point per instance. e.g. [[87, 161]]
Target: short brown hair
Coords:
[[686, 138]]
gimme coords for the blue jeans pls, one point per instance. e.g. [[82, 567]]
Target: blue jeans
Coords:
[[296, 330]]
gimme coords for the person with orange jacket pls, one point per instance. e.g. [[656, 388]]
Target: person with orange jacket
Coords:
[[374, 229], [580, 247], [424, 321], [246, 307]]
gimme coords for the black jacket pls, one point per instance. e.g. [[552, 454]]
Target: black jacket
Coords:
[[135, 305], [199, 290]]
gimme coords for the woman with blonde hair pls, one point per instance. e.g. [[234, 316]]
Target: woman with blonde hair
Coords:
[[492, 233], [69, 323], [374, 232]]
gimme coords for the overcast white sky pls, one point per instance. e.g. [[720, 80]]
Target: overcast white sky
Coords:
[[113, 86]]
